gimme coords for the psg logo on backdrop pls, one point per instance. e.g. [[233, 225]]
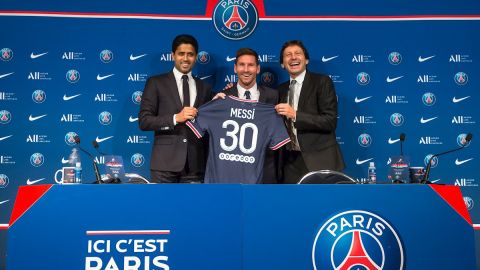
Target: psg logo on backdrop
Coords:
[[3, 181], [268, 78], [6, 54], [203, 57], [106, 56], [70, 138], [363, 78], [39, 96], [397, 119], [461, 141], [395, 58], [468, 203], [137, 160], [426, 160], [72, 76], [461, 78], [105, 118], [235, 19], [5, 117], [429, 99], [364, 140], [36, 159], [137, 97], [357, 239]]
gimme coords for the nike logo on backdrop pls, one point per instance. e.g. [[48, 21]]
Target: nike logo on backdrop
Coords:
[[34, 56], [133, 58], [360, 162], [99, 78], [423, 121], [423, 59], [390, 141], [456, 100], [102, 139], [35, 118], [31, 182], [2, 202], [6, 74], [6, 137], [358, 100], [205, 77], [389, 80], [131, 119], [460, 162], [230, 59], [326, 59], [65, 97], [64, 161]]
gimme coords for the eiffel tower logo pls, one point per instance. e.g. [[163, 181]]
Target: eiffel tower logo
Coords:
[[235, 22], [357, 255]]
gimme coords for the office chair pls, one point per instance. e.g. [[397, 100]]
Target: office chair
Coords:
[[326, 177]]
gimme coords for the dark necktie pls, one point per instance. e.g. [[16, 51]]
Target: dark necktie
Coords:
[[293, 138], [247, 95], [186, 91]]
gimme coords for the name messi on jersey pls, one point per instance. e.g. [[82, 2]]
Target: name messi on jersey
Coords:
[[242, 113]]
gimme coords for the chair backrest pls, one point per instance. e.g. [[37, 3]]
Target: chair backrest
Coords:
[[326, 177]]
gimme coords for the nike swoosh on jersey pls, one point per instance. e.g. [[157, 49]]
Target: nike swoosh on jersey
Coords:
[[389, 80], [6, 137], [423, 59], [460, 162], [423, 121], [230, 59], [99, 140], [31, 182], [65, 97], [6, 74], [456, 100], [133, 58], [326, 59], [34, 118], [358, 100], [360, 162], [34, 56], [390, 141], [131, 119], [99, 78]]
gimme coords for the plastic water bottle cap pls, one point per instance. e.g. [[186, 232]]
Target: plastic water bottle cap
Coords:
[[372, 164], [78, 164]]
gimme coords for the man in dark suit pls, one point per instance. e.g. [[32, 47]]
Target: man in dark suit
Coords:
[[168, 101], [247, 67], [309, 103]]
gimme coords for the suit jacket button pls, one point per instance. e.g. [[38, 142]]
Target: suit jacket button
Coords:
[[184, 140]]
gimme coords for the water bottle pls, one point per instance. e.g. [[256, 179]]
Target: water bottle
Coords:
[[372, 173], [78, 173]]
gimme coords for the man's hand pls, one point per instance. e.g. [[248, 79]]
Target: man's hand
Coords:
[[286, 110], [219, 95], [187, 113]]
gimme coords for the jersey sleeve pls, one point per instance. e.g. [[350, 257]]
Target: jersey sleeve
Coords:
[[280, 135]]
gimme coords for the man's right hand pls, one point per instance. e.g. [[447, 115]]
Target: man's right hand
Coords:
[[187, 113], [219, 95]]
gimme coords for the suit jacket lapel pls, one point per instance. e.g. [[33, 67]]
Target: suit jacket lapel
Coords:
[[172, 85]]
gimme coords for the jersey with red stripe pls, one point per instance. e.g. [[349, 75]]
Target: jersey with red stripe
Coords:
[[239, 133]]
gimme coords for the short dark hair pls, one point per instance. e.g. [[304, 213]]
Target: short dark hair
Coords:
[[247, 51], [184, 39], [293, 43]]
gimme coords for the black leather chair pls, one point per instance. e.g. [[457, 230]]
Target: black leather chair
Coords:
[[326, 177]]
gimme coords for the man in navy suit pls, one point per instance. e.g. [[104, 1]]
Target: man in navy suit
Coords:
[[168, 101], [247, 68], [309, 103]]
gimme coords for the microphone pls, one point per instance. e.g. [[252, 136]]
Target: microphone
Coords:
[[98, 178], [96, 145], [468, 138], [402, 139]]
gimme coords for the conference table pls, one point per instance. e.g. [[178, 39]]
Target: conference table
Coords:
[[233, 227]]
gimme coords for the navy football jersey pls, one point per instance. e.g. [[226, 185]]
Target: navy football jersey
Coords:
[[240, 131]]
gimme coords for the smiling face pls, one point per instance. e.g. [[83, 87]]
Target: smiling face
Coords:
[[294, 60], [247, 69], [184, 57]]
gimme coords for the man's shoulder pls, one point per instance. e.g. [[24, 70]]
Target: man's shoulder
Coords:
[[163, 76], [316, 76]]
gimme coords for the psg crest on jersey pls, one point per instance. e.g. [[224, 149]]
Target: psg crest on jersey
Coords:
[[235, 19], [357, 239]]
